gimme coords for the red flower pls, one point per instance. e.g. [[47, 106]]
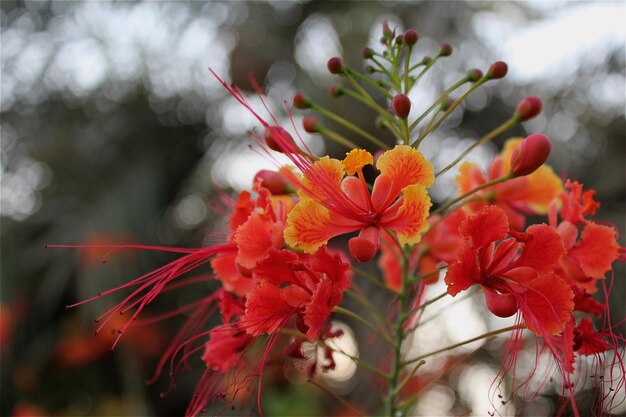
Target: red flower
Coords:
[[306, 287], [513, 281]]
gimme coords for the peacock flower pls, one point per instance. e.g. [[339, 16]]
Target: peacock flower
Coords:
[[513, 281], [335, 199], [530, 194], [590, 253]]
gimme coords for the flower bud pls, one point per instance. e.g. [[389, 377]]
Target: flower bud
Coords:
[[399, 40], [366, 244], [528, 108], [273, 181], [410, 37], [335, 65], [309, 123], [446, 103], [530, 154], [279, 140], [367, 53], [335, 90], [445, 49], [370, 69], [426, 60], [474, 75], [502, 305], [497, 70], [300, 101], [401, 105]]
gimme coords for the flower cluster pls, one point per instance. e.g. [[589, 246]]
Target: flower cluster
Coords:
[[284, 267]]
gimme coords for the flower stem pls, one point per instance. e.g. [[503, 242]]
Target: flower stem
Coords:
[[489, 136], [365, 323], [465, 342], [446, 206]]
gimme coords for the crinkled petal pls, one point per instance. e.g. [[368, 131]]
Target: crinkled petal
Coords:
[[411, 218], [225, 268], [488, 225], [277, 268], [254, 239], [322, 179], [266, 310], [597, 250], [405, 166], [331, 263], [470, 176], [543, 250], [547, 305], [318, 310], [310, 225], [464, 271]]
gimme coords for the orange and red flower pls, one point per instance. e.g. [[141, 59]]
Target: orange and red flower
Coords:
[[531, 194], [333, 203]]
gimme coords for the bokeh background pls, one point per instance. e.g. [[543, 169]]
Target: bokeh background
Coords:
[[113, 131]]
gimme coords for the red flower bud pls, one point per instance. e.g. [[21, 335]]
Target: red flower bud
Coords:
[[502, 305], [273, 181], [335, 90], [410, 37], [309, 123], [497, 70], [300, 101], [401, 105], [335, 65], [528, 108], [474, 75], [367, 53], [279, 140], [366, 244], [530, 155], [445, 49]]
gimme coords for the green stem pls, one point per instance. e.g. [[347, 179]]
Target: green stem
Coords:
[[489, 136], [336, 137], [371, 83], [369, 307], [348, 125], [443, 208], [356, 360], [364, 322], [465, 342], [437, 102], [373, 280], [451, 108]]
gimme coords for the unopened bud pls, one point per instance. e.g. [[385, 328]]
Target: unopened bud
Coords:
[[370, 69], [530, 154], [300, 101], [336, 90], [528, 108], [427, 60], [446, 103], [399, 40], [367, 53], [279, 140], [380, 123], [309, 123], [445, 49], [497, 70], [273, 181], [401, 105], [366, 244], [474, 75], [335, 65], [410, 37]]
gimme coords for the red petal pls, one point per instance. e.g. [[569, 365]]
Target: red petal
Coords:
[[464, 272], [253, 239], [266, 309], [543, 250], [547, 305], [502, 305], [597, 251], [319, 309], [277, 268], [488, 225]]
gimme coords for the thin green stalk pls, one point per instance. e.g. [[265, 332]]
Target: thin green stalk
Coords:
[[369, 307], [364, 322], [437, 102], [443, 208], [348, 125], [356, 360], [392, 391], [373, 280], [417, 278], [371, 83], [465, 342], [489, 136], [336, 137], [451, 108]]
